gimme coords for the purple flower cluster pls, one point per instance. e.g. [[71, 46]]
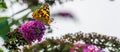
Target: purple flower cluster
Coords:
[[85, 47], [92, 48], [32, 30]]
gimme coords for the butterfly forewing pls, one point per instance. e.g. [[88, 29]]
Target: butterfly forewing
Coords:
[[43, 14]]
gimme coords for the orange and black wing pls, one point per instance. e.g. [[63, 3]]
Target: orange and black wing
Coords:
[[43, 14]]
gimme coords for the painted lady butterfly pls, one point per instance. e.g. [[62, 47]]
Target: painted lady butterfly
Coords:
[[43, 14]]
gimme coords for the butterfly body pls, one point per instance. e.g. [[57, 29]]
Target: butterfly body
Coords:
[[43, 14]]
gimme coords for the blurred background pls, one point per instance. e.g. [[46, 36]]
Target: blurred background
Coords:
[[69, 16]]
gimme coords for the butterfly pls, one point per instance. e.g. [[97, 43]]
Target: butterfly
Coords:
[[43, 14]]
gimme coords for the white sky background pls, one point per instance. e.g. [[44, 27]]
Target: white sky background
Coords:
[[101, 16]]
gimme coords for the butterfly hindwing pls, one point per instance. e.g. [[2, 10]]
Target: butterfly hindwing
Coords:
[[43, 14]]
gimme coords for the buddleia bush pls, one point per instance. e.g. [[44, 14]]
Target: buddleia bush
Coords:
[[66, 43]]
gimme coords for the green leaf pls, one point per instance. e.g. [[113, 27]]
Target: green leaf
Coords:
[[66, 48], [36, 7], [2, 5], [4, 27], [1, 50]]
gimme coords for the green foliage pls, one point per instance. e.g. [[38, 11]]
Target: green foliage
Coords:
[[51, 2], [2, 5], [4, 27], [99, 40], [1, 50], [14, 40], [64, 43], [36, 7], [50, 45]]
